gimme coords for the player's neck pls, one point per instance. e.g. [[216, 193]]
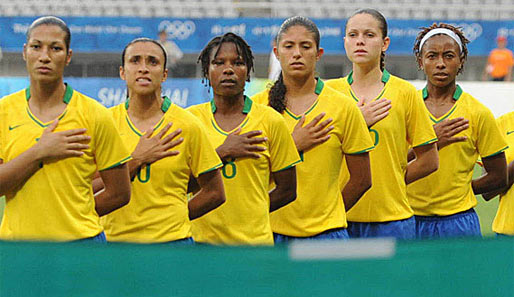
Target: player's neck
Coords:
[[46, 94], [229, 104], [366, 75], [441, 95], [145, 106], [298, 87]]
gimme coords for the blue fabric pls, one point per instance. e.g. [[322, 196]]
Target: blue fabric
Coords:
[[100, 238], [402, 229], [340, 233], [184, 241], [501, 235], [461, 224]]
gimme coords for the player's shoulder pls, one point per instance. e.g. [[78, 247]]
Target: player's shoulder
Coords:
[[401, 85], [337, 83], [13, 99], [262, 97], [506, 118], [200, 110]]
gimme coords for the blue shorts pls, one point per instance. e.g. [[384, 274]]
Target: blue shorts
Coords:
[[100, 238], [183, 241], [402, 229], [501, 235], [461, 224], [339, 233]]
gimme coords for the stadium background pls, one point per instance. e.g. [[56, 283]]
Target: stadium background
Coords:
[[101, 28]]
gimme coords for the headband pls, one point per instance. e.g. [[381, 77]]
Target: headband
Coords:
[[441, 31]]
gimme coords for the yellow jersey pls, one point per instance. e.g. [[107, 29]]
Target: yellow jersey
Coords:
[[57, 203], [448, 190], [406, 125], [504, 221], [244, 217], [319, 204], [158, 211]]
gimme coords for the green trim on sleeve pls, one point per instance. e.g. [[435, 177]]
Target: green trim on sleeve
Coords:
[[290, 166], [497, 153], [427, 142], [212, 169], [363, 151], [118, 164]]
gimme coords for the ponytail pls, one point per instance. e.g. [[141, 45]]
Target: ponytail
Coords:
[[277, 95]]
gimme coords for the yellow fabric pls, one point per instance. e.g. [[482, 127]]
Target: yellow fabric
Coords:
[[319, 204], [407, 124], [56, 203], [504, 220], [448, 190], [244, 217], [158, 211]]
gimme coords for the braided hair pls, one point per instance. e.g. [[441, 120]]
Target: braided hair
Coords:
[[243, 50], [277, 93], [424, 30]]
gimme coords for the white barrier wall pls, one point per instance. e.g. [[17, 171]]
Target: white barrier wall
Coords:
[[498, 96]]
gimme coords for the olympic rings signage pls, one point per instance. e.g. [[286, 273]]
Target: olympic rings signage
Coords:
[[178, 29]]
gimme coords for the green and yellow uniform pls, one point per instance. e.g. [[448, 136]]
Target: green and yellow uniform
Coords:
[[244, 218], [157, 211], [448, 190], [504, 220], [57, 203], [319, 204], [407, 124]]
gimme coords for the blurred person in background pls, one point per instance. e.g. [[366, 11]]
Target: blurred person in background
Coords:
[[500, 62], [174, 54]]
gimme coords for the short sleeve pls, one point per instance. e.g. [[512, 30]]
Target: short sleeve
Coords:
[[283, 152], [419, 127], [109, 148], [490, 141], [203, 156], [356, 137]]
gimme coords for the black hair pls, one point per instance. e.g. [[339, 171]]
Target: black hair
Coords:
[[51, 21], [456, 30], [382, 26], [243, 50], [277, 93], [144, 39]]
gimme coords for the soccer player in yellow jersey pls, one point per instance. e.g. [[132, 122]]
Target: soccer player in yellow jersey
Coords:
[[396, 119], [254, 144], [443, 202], [503, 223], [47, 164], [319, 211], [158, 210]]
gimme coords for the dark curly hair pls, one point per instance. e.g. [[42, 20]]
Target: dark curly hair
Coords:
[[456, 30], [243, 50], [277, 93]]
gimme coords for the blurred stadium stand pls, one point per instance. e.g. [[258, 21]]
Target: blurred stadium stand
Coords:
[[106, 64]]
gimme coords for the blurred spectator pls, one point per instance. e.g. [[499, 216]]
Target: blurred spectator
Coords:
[[274, 68], [173, 51], [500, 62]]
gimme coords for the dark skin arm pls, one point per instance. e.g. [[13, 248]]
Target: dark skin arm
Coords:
[[238, 145], [495, 176], [116, 191], [446, 131], [360, 179], [285, 188], [426, 162], [211, 194], [510, 180]]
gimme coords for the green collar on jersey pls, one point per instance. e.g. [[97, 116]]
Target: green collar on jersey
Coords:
[[166, 103], [319, 86], [385, 77], [456, 95], [246, 108], [67, 94]]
